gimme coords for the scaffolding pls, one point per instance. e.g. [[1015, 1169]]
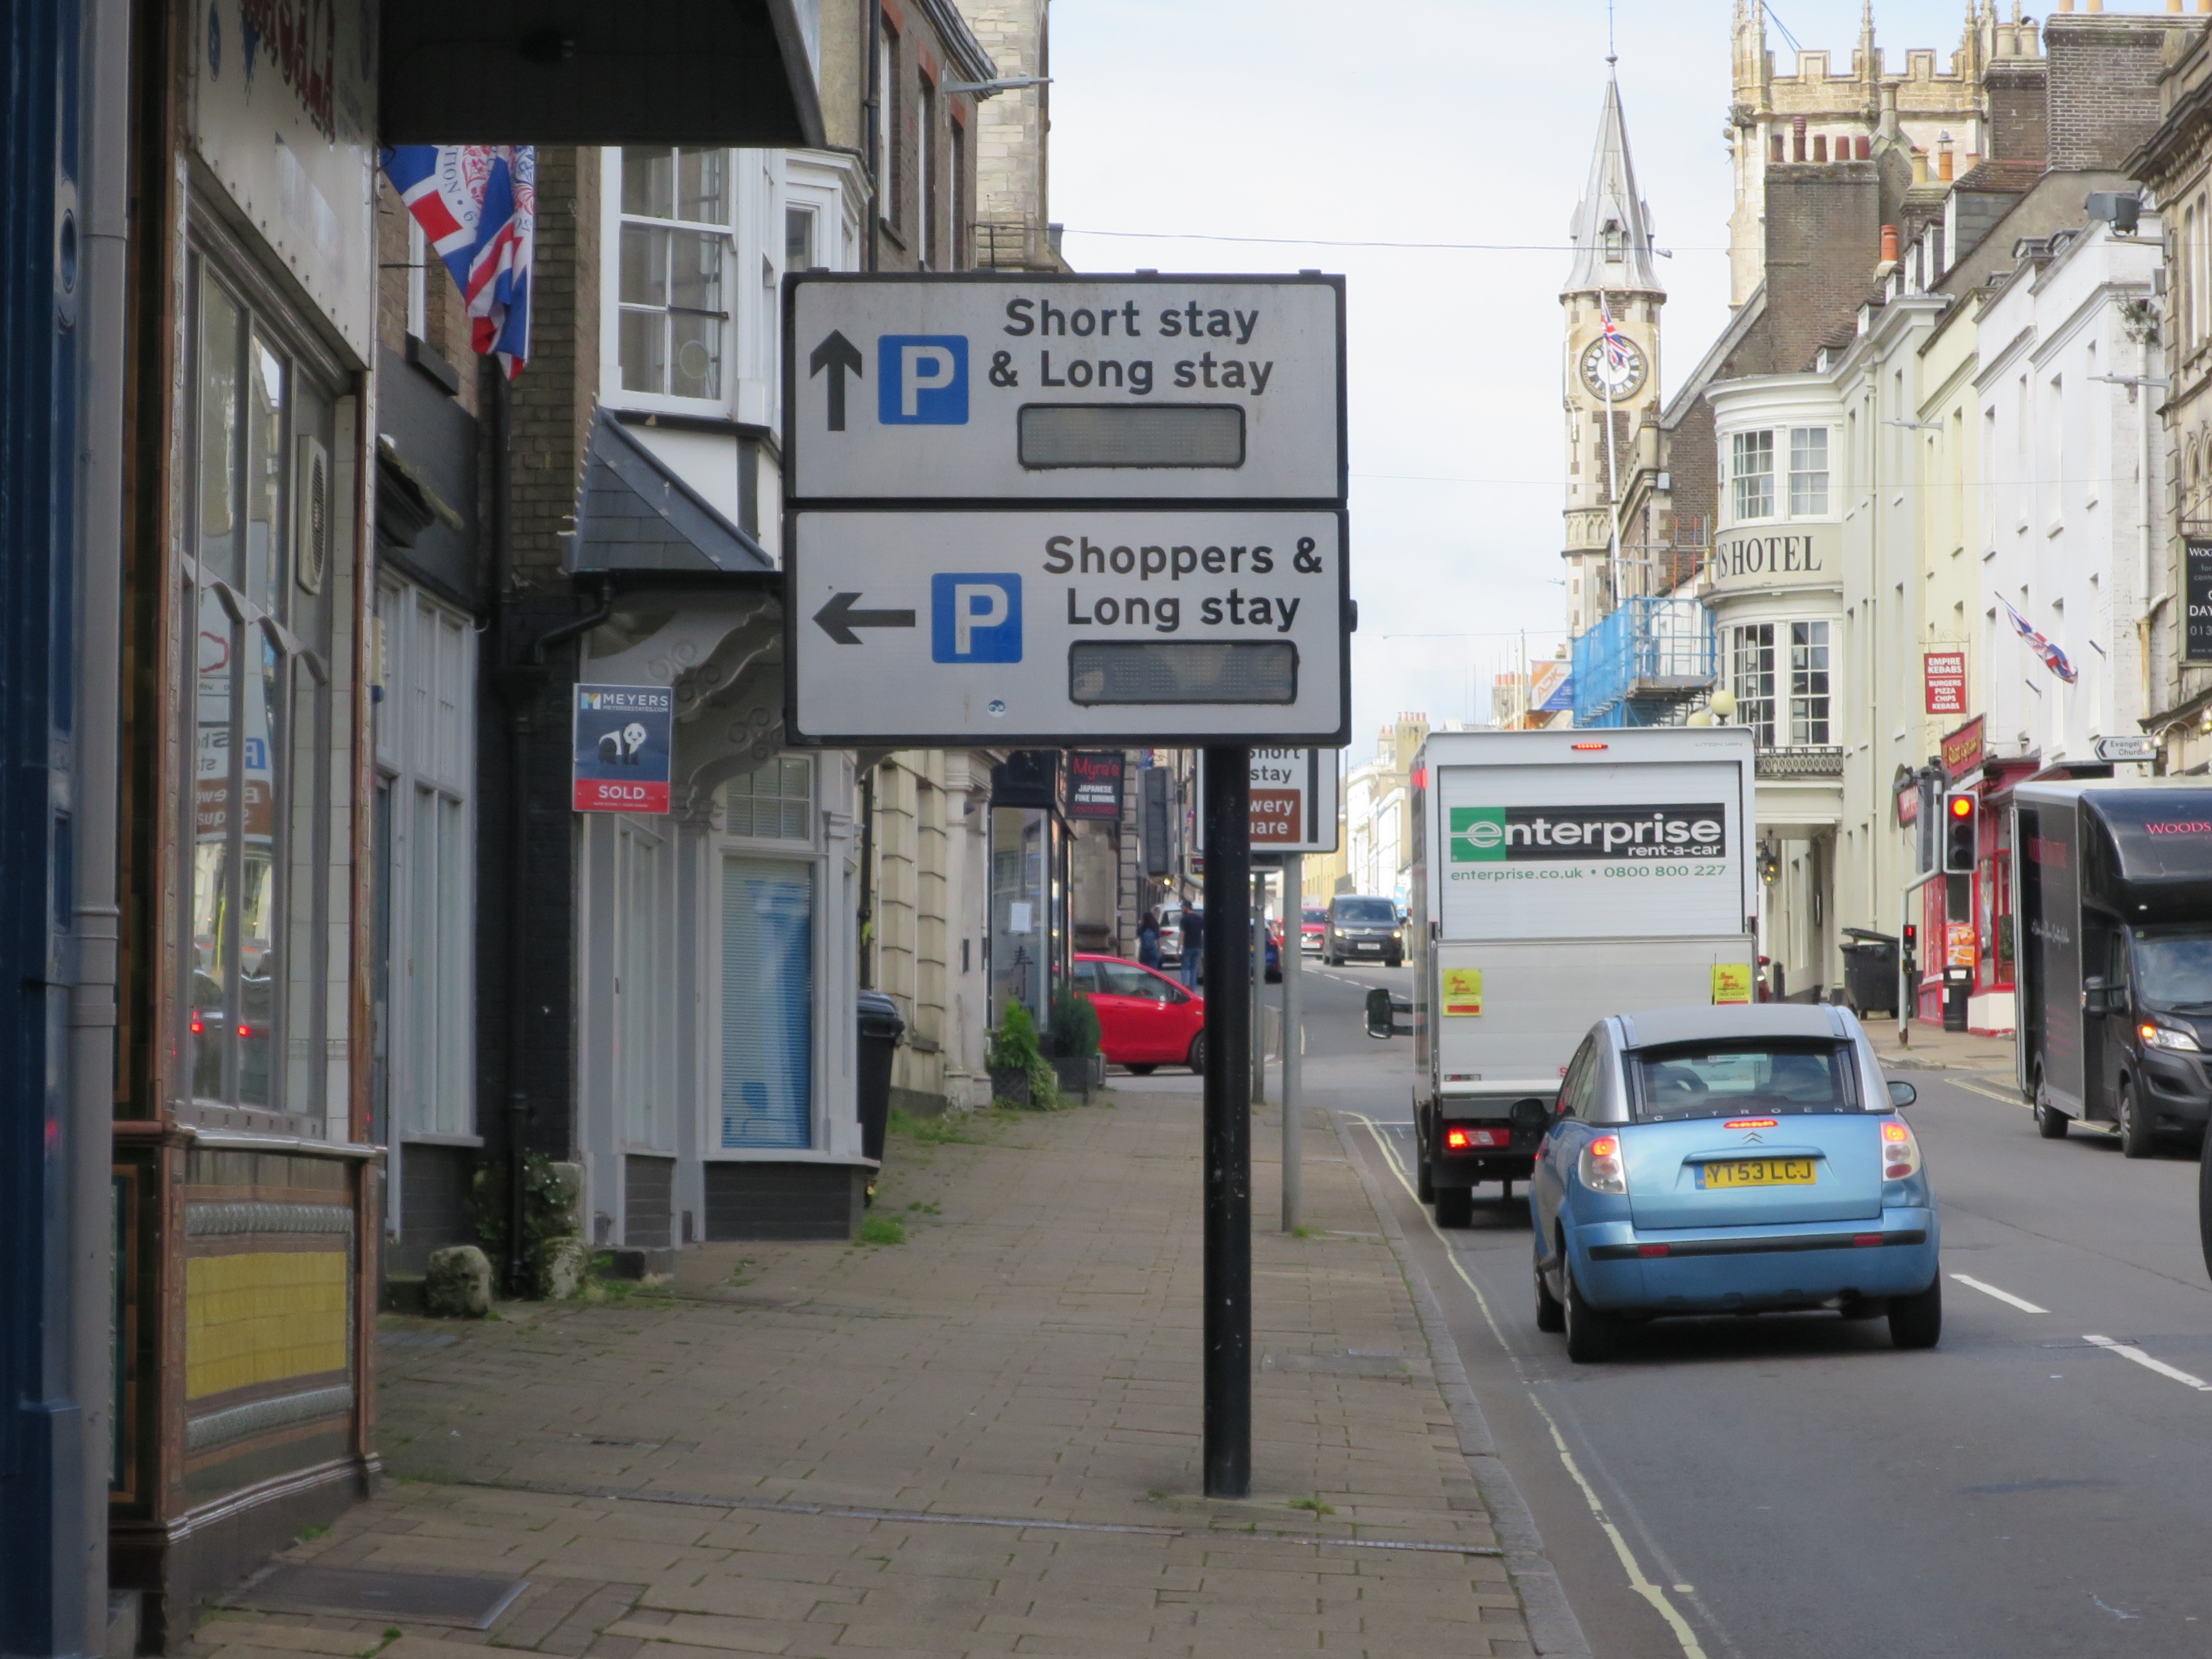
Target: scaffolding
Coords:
[[1645, 664]]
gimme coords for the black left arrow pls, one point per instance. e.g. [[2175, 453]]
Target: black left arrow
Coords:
[[838, 619], [837, 354]]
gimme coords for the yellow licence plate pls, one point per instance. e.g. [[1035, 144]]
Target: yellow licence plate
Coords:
[[1758, 1172]]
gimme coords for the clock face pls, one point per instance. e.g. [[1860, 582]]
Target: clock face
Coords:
[[1608, 378]]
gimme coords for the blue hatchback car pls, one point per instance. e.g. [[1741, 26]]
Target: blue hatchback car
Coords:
[[1731, 1160]]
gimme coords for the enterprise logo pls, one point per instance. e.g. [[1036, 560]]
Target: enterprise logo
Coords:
[[1515, 834]]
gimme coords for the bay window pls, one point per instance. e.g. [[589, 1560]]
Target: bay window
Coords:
[[1782, 704], [676, 248]]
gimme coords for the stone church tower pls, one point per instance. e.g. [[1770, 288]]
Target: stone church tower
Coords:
[[1612, 272]]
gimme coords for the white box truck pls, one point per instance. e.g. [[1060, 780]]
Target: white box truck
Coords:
[[1559, 876]]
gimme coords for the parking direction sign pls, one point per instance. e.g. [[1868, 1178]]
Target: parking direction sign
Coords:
[[1021, 387], [1068, 625], [1294, 799]]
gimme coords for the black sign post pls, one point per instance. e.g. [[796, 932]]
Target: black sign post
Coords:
[[1228, 1153], [2197, 585]]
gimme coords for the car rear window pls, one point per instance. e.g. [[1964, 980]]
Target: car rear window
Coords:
[[1741, 1077], [1366, 912]]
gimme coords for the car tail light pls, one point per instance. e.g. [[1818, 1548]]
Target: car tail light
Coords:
[[1900, 1152], [198, 1025], [1459, 1140], [1601, 1169], [1752, 1123]]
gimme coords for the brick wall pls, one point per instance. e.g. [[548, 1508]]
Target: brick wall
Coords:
[[1693, 468], [2020, 126], [2104, 85], [554, 399], [1823, 240]]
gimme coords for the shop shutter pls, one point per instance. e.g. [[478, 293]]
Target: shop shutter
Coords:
[[767, 1003]]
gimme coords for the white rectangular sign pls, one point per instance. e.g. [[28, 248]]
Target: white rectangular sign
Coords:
[[1294, 800], [1068, 625], [1634, 851], [1015, 387]]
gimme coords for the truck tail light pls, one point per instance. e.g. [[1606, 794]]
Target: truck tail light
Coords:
[[1601, 1169], [1900, 1152], [1461, 1139]]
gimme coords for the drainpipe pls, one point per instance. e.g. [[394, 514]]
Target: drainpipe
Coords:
[[870, 111], [2145, 605], [104, 237], [521, 678]]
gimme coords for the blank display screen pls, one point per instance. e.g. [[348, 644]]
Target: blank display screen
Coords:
[[1131, 434], [1183, 670]]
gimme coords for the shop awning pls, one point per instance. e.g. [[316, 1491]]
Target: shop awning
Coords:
[[736, 72]]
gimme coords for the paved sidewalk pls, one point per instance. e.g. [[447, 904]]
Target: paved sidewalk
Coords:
[[1934, 1049], [984, 1440]]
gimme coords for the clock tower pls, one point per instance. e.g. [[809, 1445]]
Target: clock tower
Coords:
[[1612, 377]]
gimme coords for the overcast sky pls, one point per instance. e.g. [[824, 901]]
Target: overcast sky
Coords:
[[1424, 121]]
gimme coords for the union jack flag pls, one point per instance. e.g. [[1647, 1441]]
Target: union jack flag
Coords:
[[1616, 342], [2053, 658], [477, 205]]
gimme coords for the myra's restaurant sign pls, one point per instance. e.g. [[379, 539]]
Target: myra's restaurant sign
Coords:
[[1805, 557]]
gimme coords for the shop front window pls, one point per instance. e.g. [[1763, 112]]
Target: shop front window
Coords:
[[256, 614]]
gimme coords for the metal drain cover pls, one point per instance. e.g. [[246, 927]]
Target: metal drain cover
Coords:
[[426, 1598]]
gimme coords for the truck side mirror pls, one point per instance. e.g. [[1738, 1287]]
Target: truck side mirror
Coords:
[[1902, 1095], [1378, 1014], [2096, 995]]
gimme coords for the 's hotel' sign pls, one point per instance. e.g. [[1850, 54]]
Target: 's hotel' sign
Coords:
[[1802, 557]]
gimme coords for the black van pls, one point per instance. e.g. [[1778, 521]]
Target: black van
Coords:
[[1362, 927], [2114, 959]]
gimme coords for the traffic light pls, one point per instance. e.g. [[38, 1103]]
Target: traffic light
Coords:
[[1961, 833]]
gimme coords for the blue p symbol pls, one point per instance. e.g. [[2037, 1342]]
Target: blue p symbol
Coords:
[[975, 618], [922, 379]]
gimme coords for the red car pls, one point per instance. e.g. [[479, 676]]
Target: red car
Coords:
[[1145, 1019]]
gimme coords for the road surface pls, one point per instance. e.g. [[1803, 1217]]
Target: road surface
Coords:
[[1793, 1486]]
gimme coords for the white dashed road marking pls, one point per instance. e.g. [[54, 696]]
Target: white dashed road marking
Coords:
[[2126, 1352], [2019, 1302]]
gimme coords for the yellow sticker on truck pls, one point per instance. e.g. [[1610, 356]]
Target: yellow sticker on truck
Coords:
[[1731, 982], [1462, 991]]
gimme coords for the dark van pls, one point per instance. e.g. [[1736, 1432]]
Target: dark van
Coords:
[[1363, 928], [2114, 956]]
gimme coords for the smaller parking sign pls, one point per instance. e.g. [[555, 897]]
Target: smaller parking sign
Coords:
[[624, 745]]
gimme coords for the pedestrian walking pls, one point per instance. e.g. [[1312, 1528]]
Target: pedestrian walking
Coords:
[[1193, 947], [1148, 940]]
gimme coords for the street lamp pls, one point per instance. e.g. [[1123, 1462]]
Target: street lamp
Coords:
[[1012, 83]]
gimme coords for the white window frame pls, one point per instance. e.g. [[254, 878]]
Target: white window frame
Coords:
[[1807, 444], [426, 750], [612, 309], [1741, 444]]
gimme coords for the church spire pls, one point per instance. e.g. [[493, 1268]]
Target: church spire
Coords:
[[1612, 230]]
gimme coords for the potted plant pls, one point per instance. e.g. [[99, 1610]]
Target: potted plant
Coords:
[[1020, 1074], [1072, 1030]]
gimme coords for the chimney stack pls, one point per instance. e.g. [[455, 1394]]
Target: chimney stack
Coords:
[[1797, 138], [1889, 245]]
